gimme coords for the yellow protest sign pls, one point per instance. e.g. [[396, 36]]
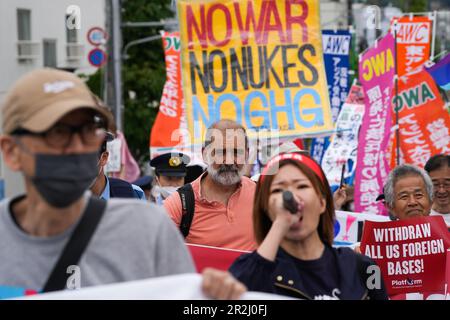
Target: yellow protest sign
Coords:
[[257, 62]]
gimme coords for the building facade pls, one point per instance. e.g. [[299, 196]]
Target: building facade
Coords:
[[43, 33]]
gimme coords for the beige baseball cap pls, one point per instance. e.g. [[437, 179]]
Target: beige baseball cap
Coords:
[[42, 97]]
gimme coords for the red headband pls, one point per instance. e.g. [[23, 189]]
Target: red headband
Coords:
[[296, 157]]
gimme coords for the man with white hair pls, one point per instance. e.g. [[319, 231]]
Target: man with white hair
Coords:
[[408, 192], [216, 209]]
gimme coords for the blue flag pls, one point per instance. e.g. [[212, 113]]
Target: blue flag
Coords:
[[336, 54], [441, 72]]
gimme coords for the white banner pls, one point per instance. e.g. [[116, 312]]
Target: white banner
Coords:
[[114, 160], [349, 224], [344, 144], [161, 288]]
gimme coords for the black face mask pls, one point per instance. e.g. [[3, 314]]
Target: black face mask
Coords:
[[62, 179]]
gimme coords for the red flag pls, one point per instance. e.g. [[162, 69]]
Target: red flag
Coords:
[[413, 42], [170, 112], [424, 122]]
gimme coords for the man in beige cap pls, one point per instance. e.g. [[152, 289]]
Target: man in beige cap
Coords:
[[57, 236]]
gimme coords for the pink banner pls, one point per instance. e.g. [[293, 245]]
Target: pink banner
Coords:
[[376, 73]]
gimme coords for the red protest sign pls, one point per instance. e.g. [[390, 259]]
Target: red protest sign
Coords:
[[435, 295], [213, 257], [411, 253]]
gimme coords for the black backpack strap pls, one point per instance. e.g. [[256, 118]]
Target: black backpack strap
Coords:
[[76, 245], [187, 208]]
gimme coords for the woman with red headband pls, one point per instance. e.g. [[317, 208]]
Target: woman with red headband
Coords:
[[295, 256]]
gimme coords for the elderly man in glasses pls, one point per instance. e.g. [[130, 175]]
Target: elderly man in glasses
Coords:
[[438, 167], [56, 235]]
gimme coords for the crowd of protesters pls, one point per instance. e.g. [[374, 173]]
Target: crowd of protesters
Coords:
[[55, 133], [53, 129]]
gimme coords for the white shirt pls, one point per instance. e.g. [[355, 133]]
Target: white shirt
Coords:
[[446, 216]]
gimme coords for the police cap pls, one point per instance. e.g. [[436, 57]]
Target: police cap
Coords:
[[171, 164]]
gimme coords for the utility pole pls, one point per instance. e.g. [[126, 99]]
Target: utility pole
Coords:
[[117, 61], [349, 13], [353, 54], [108, 96], [112, 94]]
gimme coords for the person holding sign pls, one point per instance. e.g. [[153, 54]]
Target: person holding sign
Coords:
[[401, 248], [408, 192], [344, 194], [295, 256]]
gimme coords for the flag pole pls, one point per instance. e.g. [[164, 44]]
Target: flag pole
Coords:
[[397, 129], [433, 40]]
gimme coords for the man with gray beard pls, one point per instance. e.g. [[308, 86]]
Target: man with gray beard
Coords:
[[222, 197]]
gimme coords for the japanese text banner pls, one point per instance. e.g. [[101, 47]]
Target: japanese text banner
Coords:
[[257, 62], [344, 142], [376, 71], [170, 114], [413, 42], [336, 54], [424, 122]]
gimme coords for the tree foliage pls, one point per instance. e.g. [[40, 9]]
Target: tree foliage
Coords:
[[143, 73]]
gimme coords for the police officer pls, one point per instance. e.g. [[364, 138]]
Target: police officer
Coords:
[[170, 171], [146, 184], [106, 187]]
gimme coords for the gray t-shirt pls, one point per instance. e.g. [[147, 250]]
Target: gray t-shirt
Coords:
[[134, 240]]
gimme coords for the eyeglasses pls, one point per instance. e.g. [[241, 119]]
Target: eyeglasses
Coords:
[[60, 135], [444, 184]]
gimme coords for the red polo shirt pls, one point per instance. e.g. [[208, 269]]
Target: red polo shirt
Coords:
[[215, 224]]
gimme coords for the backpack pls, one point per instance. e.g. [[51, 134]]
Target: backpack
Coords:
[[187, 208]]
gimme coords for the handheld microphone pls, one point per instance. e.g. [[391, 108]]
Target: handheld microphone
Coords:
[[289, 202]]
